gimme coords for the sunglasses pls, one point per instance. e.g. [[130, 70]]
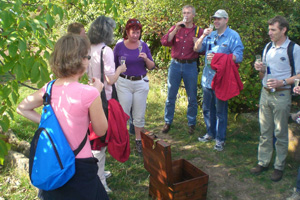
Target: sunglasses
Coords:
[[216, 40], [134, 22], [88, 57]]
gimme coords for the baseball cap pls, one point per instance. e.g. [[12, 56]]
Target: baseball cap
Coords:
[[220, 14]]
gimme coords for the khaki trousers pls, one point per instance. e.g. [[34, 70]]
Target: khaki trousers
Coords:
[[274, 110]]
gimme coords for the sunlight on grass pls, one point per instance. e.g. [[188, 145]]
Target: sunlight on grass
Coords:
[[130, 180]]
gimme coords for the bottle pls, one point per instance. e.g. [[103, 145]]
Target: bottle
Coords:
[[269, 76], [208, 52], [184, 20]]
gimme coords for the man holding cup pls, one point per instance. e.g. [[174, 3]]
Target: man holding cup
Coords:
[[227, 41], [183, 66], [274, 107]]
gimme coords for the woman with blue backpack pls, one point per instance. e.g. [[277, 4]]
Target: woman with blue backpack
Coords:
[[75, 105]]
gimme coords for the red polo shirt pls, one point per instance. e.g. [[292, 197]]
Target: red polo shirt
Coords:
[[182, 43]]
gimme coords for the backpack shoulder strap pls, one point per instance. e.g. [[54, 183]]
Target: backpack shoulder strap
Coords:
[[47, 101], [47, 95], [76, 151], [267, 48], [290, 50], [197, 29]]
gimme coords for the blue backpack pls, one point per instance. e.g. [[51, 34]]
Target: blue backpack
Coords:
[[51, 159]]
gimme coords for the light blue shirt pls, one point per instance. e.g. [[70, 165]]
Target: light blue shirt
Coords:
[[229, 43], [278, 60]]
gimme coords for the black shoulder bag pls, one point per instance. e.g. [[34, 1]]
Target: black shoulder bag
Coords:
[[103, 94]]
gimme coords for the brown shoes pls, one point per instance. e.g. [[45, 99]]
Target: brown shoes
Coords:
[[276, 175], [191, 129], [258, 170], [166, 128]]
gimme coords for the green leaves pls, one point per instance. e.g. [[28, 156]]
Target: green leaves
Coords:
[[22, 45], [58, 11], [13, 49], [4, 148], [35, 72], [8, 19], [50, 20], [4, 123]]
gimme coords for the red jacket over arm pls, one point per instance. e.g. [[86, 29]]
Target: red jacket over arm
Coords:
[[226, 82]]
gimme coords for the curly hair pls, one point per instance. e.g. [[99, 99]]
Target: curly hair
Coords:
[[101, 30], [66, 59]]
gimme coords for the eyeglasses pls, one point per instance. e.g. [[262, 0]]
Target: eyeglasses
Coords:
[[216, 40], [134, 22], [88, 57]]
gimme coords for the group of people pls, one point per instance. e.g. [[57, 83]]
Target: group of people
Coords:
[[185, 52], [76, 105], [132, 84], [224, 49]]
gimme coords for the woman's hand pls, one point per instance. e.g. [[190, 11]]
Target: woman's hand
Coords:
[[143, 55], [122, 68], [97, 84]]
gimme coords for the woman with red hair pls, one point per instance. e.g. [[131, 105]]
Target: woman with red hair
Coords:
[[133, 85]]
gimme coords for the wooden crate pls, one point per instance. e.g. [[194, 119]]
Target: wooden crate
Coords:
[[174, 180]]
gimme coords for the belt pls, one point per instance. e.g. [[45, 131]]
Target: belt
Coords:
[[132, 78], [186, 61], [277, 89]]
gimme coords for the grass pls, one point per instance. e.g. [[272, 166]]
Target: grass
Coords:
[[130, 180]]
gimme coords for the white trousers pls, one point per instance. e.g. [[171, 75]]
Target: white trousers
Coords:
[[133, 94], [100, 155]]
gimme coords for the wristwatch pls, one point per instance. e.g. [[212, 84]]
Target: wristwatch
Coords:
[[284, 82]]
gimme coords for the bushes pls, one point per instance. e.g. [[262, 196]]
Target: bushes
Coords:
[[248, 17]]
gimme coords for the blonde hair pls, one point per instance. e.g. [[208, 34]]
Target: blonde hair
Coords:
[[66, 59]]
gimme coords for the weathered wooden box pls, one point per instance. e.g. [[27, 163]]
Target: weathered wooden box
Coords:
[[174, 180]]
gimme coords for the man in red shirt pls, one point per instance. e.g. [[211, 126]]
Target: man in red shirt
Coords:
[[183, 65]]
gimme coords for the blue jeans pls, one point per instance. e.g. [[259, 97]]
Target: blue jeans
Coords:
[[215, 114], [188, 72], [298, 181]]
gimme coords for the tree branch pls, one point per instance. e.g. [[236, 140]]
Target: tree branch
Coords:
[[19, 81], [82, 11]]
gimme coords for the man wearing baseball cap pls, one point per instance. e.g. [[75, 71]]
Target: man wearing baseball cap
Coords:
[[220, 14], [226, 41]]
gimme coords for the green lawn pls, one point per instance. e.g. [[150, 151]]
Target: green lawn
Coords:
[[129, 180]]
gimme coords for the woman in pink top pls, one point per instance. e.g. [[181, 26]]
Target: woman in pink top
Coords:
[[75, 105]]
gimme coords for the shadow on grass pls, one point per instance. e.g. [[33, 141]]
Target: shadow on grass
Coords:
[[130, 180]]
